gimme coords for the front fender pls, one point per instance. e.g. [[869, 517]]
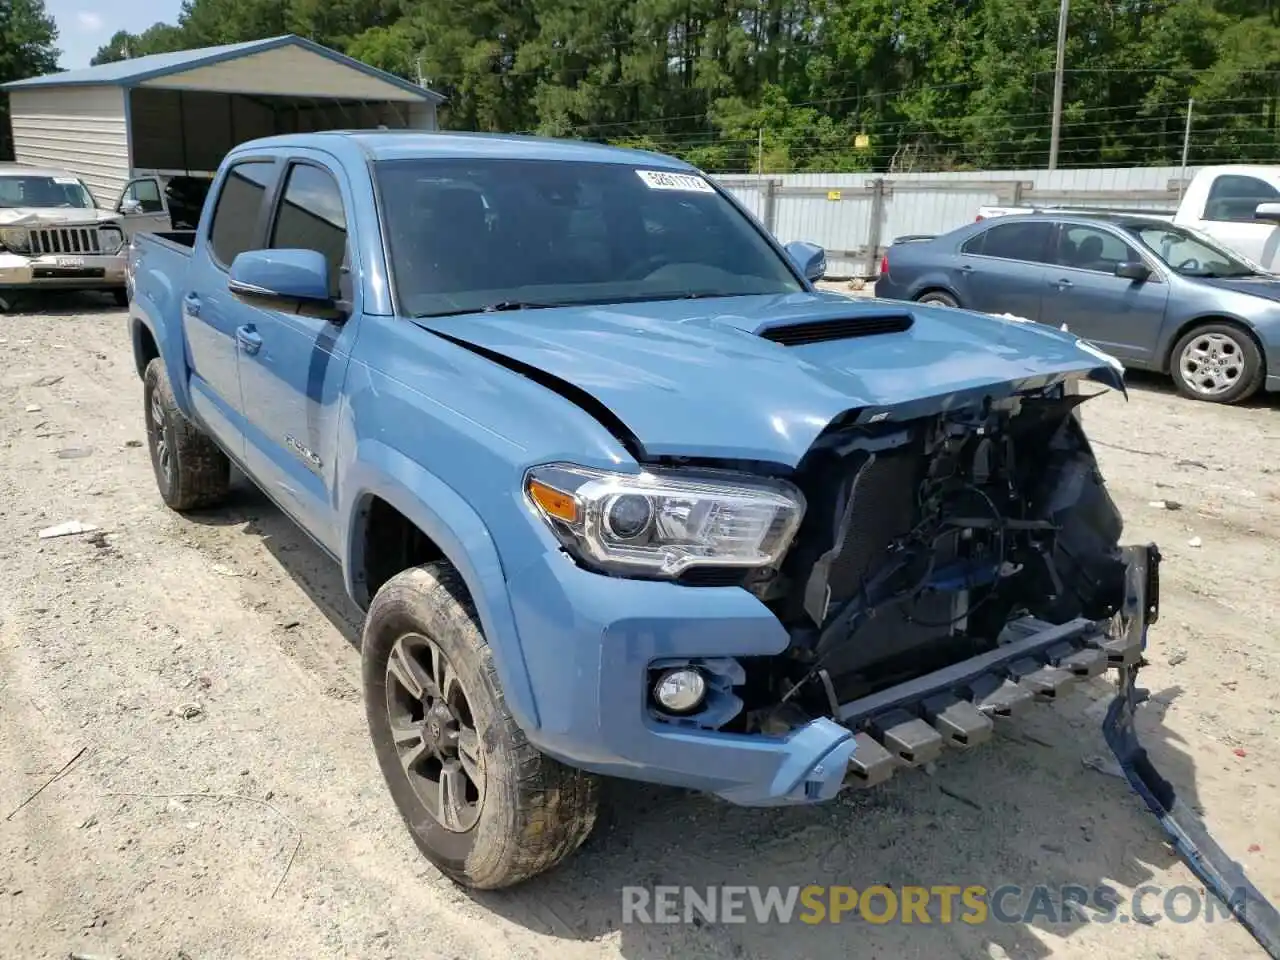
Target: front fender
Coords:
[[378, 470]]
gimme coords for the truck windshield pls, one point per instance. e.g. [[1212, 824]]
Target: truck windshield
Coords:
[[1192, 254], [41, 191], [466, 235]]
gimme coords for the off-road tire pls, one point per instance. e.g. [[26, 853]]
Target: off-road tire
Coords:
[[200, 473], [939, 297], [535, 811], [1250, 380]]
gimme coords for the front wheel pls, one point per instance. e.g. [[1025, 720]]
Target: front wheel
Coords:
[[480, 801], [1217, 362]]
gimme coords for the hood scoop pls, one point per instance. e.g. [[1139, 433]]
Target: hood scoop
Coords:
[[841, 328]]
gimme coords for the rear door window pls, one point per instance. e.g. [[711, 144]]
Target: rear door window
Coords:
[[1016, 240], [235, 219]]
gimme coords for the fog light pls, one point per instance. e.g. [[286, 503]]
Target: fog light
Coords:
[[681, 690]]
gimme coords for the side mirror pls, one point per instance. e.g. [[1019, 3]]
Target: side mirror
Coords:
[[810, 258], [1133, 270], [281, 279], [1267, 212], [130, 206]]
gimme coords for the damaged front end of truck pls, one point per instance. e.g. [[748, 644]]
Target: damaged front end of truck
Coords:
[[951, 571], [913, 498]]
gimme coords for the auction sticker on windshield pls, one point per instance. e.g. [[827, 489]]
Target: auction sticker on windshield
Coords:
[[662, 180]]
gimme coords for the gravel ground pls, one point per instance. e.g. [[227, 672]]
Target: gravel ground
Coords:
[[200, 676]]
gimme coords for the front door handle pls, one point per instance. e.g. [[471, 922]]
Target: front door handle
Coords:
[[192, 303], [249, 339], [1063, 284], [966, 268]]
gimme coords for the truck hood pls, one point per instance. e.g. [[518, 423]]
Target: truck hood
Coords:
[[39, 216], [710, 379]]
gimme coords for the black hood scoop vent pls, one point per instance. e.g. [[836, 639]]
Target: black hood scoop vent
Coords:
[[840, 328]]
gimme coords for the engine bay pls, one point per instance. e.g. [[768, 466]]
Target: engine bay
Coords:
[[923, 540]]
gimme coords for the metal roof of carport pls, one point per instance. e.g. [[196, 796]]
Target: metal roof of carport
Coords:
[[166, 70]]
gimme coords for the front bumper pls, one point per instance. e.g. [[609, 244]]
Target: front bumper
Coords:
[[591, 642], [62, 271]]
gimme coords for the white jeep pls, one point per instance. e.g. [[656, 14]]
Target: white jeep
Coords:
[[54, 235]]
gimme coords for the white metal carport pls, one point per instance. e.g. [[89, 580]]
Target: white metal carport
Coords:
[[181, 112]]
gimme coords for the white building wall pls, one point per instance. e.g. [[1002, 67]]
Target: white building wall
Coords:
[[81, 129]]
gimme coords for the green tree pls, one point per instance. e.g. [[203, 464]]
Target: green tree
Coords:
[[811, 84], [27, 37]]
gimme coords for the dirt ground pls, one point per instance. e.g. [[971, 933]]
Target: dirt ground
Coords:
[[200, 676]]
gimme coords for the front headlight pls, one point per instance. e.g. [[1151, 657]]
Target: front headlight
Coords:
[[16, 239], [662, 522], [111, 239]]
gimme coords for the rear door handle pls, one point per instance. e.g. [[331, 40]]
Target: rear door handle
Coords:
[[966, 268], [192, 303], [1063, 284], [249, 339]]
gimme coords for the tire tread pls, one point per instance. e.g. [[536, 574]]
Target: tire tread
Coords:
[[202, 471]]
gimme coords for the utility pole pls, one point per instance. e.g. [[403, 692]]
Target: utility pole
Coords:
[[1057, 85], [1186, 150], [760, 152]]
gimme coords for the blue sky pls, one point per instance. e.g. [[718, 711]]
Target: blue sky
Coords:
[[85, 25]]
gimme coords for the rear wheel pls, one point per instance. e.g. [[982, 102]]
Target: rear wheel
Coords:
[[1217, 362], [486, 807], [191, 471], [939, 297]]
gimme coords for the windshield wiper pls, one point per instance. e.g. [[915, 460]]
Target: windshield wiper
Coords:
[[499, 307], [503, 305]]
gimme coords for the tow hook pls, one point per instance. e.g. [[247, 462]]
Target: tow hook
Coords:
[[1191, 840]]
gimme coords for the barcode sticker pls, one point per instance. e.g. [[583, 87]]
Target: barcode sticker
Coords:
[[663, 180]]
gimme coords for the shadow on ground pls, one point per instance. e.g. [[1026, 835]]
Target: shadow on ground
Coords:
[[57, 303], [1023, 810]]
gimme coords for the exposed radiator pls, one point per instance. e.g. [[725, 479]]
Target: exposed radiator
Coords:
[[884, 509], [66, 240]]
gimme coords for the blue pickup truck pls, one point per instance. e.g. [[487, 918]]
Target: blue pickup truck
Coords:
[[622, 492]]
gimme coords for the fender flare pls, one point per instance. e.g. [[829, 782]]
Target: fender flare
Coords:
[[462, 536], [146, 315]]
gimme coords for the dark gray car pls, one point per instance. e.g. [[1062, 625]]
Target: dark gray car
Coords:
[[1155, 295]]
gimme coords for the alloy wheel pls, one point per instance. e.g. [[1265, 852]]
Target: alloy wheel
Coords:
[[1212, 363], [159, 437], [434, 732]]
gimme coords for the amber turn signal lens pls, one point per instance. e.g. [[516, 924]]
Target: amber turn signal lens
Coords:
[[556, 504]]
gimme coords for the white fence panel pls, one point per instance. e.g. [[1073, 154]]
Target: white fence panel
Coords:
[[855, 216]]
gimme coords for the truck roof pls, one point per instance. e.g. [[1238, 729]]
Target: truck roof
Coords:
[[412, 144]]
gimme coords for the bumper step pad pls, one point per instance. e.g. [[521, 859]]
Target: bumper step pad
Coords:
[[909, 725]]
